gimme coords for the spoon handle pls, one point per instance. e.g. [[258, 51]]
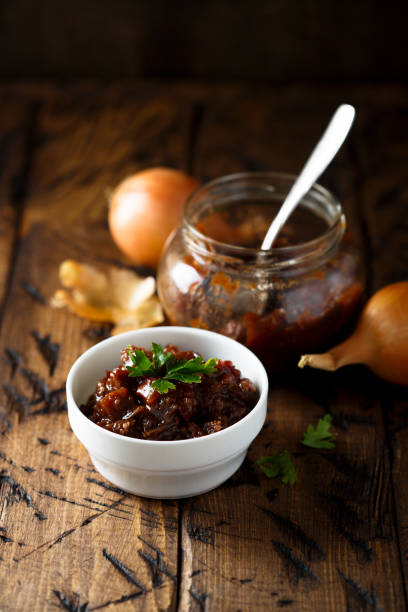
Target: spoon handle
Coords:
[[318, 161]]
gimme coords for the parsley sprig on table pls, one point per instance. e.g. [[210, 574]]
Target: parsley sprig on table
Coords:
[[166, 368], [278, 465], [319, 436], [281, 464]]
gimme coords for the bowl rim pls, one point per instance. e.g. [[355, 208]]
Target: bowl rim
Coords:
[[72, 404]]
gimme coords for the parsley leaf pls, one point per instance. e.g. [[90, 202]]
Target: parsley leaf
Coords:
[[162, 386], [278, 465], [191, 370], [160, 358], [142, 366], [182, 370], [321, 436]]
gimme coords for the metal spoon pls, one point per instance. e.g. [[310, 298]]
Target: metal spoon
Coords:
[[320, 158]]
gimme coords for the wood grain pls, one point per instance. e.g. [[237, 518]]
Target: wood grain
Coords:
[[335, 527], [336, 540], [67, 536], [385, 199], [14, 155]]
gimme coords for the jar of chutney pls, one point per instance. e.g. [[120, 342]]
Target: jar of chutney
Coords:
[[293, 299]]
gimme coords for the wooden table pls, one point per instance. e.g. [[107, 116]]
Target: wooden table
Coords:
[[338, 538]]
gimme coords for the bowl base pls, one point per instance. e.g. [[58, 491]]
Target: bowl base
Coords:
[[165, 485]]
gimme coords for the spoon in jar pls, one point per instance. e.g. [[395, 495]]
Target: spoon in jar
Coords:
[[320, 158]]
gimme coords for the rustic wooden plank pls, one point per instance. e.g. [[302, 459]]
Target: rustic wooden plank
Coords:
[[384, 201], [384, 194], [14, 132], [317, 546], [252, 543], [329, 542], [66, 537]]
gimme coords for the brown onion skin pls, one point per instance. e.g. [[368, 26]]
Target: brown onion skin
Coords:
[[145, 208]]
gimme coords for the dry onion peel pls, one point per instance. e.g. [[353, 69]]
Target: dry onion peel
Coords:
[[118, 296], [380, 340]]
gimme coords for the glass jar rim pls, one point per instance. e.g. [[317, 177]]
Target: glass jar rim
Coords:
[[276, 256]]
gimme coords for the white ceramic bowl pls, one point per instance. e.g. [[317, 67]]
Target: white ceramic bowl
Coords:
[[165, 469]]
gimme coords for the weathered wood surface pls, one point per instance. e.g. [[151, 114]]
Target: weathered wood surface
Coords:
[[337, 540]]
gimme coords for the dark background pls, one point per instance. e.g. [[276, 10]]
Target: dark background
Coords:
[[277, 41]]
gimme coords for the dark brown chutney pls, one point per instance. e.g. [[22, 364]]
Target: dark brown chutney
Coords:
[[130, 406]]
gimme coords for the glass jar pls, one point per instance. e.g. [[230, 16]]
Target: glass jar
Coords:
[[282, 303]]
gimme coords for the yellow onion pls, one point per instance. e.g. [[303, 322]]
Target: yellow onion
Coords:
[[380, 340], [145, 208]]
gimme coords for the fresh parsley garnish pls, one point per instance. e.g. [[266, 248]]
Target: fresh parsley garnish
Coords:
[[278, 465], [321, 436], [165, 368]]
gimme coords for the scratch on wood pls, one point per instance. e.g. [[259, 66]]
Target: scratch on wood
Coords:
[[16, 492], [97, 332], [155, 524], [201, 534], [51, 543], [78, 467], [39, 387], [123, 518], [122, 599], [7, 459], [72, 604], [123, 569], [107, 486], [149, 513], [5, 538], [342, 420], [95, 501], [34, 292], [357, 471], [197, 532], [53, 399], [153, 521], [61, 537], [359, 544], [301, 569], [200, 598], [6, 423], [156, 565], [56, 403], [342, 511], [13, 358], [48, 349], [348, 522], [17, 400], [363, 596], [308, 546], [98, 514], [241, 580], [282, 603], [48, 493], [53, 471]]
